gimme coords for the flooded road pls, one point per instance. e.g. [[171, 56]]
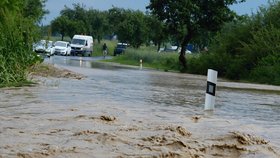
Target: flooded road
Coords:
[[64, 117]]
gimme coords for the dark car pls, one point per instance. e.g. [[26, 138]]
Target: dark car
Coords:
[[120, 48]]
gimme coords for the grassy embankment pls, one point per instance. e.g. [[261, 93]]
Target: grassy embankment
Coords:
[[149, 56]]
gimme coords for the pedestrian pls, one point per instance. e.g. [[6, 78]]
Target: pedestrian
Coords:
[[105, 51]]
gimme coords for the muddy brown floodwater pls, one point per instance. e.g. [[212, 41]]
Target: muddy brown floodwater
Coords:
[[117, 111]]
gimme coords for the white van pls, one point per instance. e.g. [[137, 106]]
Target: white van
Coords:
[[81, 44]]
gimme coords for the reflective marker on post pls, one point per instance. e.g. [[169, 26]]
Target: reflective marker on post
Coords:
[[211, 89]]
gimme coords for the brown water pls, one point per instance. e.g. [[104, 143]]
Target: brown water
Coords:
[[118, 111]]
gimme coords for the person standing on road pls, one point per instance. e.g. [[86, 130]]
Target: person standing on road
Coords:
[[105, 51]]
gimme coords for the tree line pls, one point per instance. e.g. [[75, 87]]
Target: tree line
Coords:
[[175, 21], [130, 26]]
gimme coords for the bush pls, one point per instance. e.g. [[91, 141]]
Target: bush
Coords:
[[268, 70], [266, 74], [16, 55], [245, 49]]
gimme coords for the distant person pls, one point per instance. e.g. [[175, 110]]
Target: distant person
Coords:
[[105, 51]]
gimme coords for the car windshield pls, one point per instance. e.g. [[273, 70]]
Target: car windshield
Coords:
[[49, 44], [60, 44], [41, 43], [78, 41]]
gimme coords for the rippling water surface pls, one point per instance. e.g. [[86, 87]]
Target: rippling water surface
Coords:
[[148, 90]]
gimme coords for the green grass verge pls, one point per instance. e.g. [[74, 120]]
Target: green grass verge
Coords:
[[97, 47], [150, 59], [18, 84]]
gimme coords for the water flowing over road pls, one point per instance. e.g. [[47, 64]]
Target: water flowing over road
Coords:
[[137, 100]]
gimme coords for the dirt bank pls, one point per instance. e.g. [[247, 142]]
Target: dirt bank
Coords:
[[50, 70]]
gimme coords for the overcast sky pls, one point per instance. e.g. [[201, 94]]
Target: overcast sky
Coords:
[[55, 6]]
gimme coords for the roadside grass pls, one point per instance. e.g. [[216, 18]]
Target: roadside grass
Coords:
[[18, 84], [97, 47], [150, 59]]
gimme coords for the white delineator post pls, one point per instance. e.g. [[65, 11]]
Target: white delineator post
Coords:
[[140, 64], [211, 89]]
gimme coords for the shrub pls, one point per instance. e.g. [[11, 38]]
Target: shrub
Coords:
[[268, 70], [245, 49], [15, 49]]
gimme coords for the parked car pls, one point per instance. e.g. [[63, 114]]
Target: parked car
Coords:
[[49, 48], [187, 51], [168, 49], [120, 48], [62, 48], [40, 47], [82, 44], [173, 49]]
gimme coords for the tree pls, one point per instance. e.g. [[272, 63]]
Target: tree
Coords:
[[158, 35], [9, 5], [77, 13], [115, 17], [186, 18], [132, 29], [34, 9], [98, 22], [83, 21], [60, 25]]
